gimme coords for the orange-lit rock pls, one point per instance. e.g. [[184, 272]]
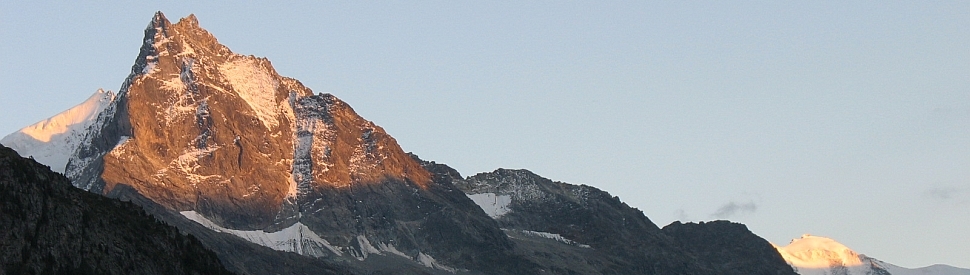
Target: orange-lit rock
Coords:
[[219, 132]]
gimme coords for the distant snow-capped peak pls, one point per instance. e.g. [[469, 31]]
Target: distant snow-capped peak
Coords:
[[817, 252], [814, 255], [53, 140]]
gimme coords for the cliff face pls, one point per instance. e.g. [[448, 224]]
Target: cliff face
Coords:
[[50, 227], [220, 133]]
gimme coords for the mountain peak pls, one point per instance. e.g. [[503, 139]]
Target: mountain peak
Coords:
[[191, 20], [817, 252], [185, 41], [815, 255], [159, 19], [223, 134], [51, 141]]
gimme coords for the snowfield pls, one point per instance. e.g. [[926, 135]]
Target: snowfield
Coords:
[[53, 140]]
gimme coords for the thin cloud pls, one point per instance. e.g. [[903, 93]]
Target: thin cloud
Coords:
[[682, 215], [733, 208], [945, 193]]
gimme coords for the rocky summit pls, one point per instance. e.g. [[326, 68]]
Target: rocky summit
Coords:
[[277, 179], [201, 128]]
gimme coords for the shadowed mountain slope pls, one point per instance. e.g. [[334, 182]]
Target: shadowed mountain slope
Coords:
[[51, 227]]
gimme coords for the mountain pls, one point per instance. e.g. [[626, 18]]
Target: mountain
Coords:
[[225, 141], [814, 255], [53, 140], [277, 179], [50, 227]]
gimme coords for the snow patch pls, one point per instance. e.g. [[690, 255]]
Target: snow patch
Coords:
[[188, 162], [430, 262], [389, 248], [312, 139], [256, 86], [119, 148], [493, 204], [365, 247], [122, 141], [297, 238], [150, 66], [553, 236]]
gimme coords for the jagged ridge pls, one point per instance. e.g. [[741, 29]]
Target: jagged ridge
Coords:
[[621, 239]]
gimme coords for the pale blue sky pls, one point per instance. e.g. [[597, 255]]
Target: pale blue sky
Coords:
[[847, 120]]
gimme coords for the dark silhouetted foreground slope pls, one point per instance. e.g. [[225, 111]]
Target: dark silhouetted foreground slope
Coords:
[[728, 246], [51, 227]]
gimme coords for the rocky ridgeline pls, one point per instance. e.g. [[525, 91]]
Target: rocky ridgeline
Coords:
[[594, 232]]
